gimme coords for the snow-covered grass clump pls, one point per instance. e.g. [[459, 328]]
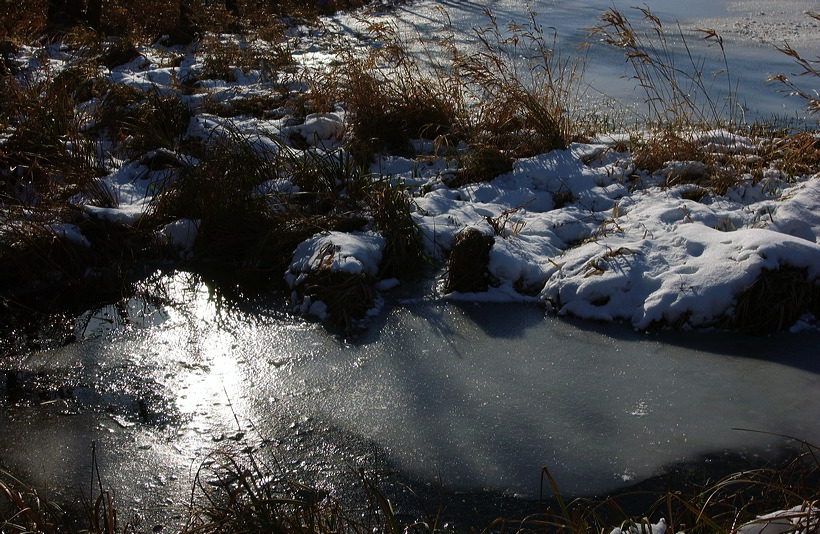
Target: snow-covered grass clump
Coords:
[[625, 246]]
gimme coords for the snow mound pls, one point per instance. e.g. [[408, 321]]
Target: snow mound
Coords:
[[353, 253]]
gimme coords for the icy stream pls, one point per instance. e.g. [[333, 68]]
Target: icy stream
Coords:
[[481, 395]]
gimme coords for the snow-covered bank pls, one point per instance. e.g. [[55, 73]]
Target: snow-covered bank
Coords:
[[585, 230], [624, 246], [586, 233]]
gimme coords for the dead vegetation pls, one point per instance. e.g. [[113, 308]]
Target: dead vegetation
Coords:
[[483, 164], [681, 100], [236, 492], [178, 20], [775, 300], [810, 68], [467, 263], [516, 96]]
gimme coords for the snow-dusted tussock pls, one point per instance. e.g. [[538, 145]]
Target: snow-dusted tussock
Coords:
[[354, 256], [70, 232], [353, 253], [688, 272], [319, 129], [723, 142], [663, 259], [181, 234]]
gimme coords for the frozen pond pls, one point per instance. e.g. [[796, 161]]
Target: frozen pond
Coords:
[[481, 395]]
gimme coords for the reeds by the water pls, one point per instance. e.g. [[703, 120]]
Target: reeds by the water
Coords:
[[242, 492]]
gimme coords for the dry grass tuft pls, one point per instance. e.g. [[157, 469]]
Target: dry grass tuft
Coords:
[[247, 495], [35, 250], [328, 182], [515, 95], [808, 67], [467, 263], [481, 165], [180, 21], [521, 90], [775, 300], [222, 58], [49, 158], [242, 493], [796, 154], [22, 21], [403, 255], [253, 234], [156, 121], [744, 496], [680, 98], [695, 193], [654, 153], [347, 296], [392, 100], [220, 190], [23, 510], [678, 94], [258, 106], [119, 52]]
